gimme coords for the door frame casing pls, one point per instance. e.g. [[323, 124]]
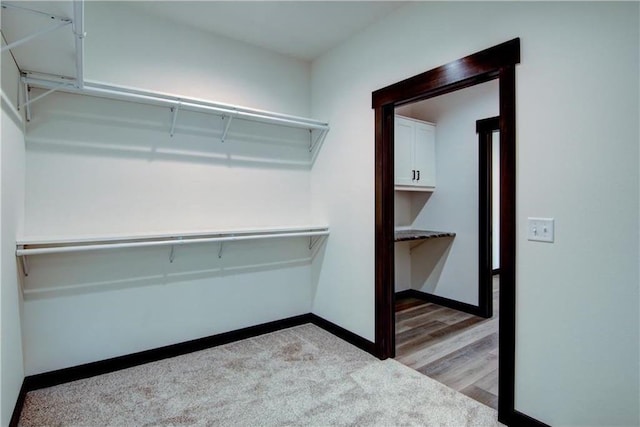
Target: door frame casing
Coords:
[[485, 129], [496, 62]]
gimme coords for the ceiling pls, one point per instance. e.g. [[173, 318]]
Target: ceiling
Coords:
[[301, 29]]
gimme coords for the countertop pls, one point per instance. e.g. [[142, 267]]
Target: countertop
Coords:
[[405, 235]]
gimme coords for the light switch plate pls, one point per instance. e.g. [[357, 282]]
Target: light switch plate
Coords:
[[540, 229]]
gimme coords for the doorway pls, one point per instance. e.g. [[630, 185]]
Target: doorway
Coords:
[[497, 62]]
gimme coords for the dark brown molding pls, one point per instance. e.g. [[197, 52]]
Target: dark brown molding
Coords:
[[445, 302], [522, 420], [17, 409], [496, 62], [485, 129], [384, 235], [488, 125], [340, 332], [471, 70], [507, 299], [61, 376]]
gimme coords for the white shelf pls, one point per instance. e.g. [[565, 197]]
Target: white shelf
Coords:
[[411, 188], [66, 244], [177, 104]]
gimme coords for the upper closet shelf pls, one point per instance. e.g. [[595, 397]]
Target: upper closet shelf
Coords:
[[317, 129], [26, 247]]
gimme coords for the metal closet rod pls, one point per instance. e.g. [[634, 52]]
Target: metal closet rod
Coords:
[[173, 240], [123, 93]]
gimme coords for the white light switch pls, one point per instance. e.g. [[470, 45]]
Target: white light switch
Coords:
[[540, 229]]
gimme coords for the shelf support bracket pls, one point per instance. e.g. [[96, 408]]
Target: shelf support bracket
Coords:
[[313, 143], [220, 250], [172, 254], [25, 263], [27, 102], [313, 241], [36, 34], [174, 110], [226, 127], [31, 100]]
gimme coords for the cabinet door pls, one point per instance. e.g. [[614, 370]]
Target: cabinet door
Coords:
[[403, 151], [424, 160]]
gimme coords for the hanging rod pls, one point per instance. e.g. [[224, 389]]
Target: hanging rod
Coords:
[[123, 93], [57, 246]]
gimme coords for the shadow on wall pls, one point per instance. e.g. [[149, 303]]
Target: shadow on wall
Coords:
[[418, 202], [427, 262], [98, 127], [58, 275]]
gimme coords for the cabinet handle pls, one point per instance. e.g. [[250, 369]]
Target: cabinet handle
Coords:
[[414, 174], [418, 175]]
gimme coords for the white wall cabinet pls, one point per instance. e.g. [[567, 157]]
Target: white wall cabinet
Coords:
[[415, 155]]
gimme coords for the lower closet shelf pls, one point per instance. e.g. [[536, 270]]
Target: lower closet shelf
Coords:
[[27, 247]]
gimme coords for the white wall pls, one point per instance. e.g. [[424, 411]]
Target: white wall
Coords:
[[11, 218], [449, 267], [403, 219], [577, 86], [128, 48], [97, 167]]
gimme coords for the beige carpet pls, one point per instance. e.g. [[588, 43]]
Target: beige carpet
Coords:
[[299, 376]]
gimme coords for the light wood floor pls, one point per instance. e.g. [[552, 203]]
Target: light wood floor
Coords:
[[455, 348]]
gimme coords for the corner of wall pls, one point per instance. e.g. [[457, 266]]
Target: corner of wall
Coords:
[[12, 179]]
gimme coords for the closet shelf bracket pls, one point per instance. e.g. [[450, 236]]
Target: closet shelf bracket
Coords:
[[24, 262], [220, 250], [226, 127], [313, 240], [42, 32], [28, 101], [174, 110], [172, 254], [313, 143]]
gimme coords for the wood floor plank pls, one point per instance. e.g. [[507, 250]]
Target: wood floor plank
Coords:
[[406, 303], [455, 348], [467, 374], [405, 337], [431, 349], [481, 395], [415, 311], [465, 366], [489, 382], [458, 359], [445, 315]]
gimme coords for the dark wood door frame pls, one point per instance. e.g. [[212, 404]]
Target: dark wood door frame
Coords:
[[496, 62], [485, 129]]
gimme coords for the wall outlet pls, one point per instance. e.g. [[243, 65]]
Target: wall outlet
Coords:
[[540, 229]]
